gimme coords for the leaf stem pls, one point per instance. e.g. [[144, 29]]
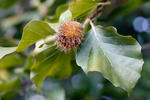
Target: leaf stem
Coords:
[[104, 3], [50, 39]]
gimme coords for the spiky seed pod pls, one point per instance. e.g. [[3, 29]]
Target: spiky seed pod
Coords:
[[70, 35]]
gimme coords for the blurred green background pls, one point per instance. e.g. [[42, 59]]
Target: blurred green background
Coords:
[[130, 17]]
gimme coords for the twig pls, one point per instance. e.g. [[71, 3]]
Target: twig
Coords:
[[92, 16], [50, 39], [95, 19], [95, 14]]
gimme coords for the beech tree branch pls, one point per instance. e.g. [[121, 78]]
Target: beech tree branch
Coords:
[[99, 10]]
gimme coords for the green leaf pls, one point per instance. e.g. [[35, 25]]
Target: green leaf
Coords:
[[54, 26], [65, 17], [51, 62], [78, 7], [11, 61], [117, 57], [29, 63], [6, 50], [10, 86], [33, 32], [59, 11], [7, 3]]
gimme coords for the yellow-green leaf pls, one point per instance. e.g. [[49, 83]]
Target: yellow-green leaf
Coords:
[[51, 62], [33, 32], [78, 7], [11, 61]]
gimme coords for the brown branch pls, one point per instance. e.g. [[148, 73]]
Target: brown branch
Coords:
[[95, 14]]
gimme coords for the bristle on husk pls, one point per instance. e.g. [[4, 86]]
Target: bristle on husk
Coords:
[[70, 35]]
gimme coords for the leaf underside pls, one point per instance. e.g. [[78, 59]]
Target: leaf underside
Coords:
[[6, 50], [117, 57]]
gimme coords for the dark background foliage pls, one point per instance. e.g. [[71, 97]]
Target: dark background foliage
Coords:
[[130, 17]]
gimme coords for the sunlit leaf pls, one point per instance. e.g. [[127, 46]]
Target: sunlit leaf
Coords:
[[6, 50], [117, 57], [78, 7], [33, 32]]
